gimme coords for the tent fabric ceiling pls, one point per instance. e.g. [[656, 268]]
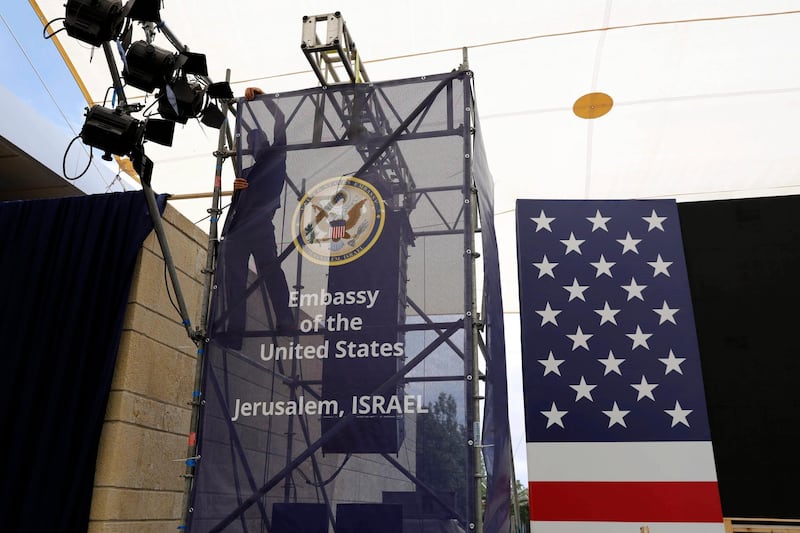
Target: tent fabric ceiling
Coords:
[[706, 92]]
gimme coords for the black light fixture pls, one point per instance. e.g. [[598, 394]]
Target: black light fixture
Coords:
[[94, 21], [112, 131], [148, 67], [184, 90], [184, 99], [181, 100]]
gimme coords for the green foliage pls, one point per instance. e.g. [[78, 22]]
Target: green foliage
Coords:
[[524, 510], [442, 448], [442, 457]]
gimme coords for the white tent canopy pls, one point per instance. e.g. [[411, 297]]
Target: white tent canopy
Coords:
[[706, 94]]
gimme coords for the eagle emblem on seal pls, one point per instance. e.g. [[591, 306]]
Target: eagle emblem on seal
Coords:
[[338, 220]]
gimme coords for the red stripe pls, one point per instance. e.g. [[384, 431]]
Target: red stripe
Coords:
[[682, 501]]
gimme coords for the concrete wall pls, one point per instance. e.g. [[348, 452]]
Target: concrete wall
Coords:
[[138, 481]]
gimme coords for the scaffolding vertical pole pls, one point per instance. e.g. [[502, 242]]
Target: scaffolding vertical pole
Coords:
[[215, 211], [211, 257], [112, 67], [471, 324]]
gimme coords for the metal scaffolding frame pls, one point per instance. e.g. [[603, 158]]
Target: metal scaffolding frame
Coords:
[[335, 55], [364, 105]]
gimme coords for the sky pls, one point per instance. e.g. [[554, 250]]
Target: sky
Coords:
[[46, 93], [706, 95]]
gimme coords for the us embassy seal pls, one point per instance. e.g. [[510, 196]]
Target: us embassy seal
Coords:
[[338, 220]]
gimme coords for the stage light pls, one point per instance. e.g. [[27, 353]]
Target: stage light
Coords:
[[112, 131], [148, 67], [181, 100], [94, 21]]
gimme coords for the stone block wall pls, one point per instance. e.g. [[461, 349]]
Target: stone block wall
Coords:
[[138, 478]]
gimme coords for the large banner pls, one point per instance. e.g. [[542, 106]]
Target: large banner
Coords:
[[339, 357], [615, 412]]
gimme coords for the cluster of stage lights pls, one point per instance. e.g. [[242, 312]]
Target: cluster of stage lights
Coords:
[[177, 76]]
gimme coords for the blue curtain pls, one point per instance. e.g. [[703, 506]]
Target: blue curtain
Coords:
[[65, 267], [497, 454]]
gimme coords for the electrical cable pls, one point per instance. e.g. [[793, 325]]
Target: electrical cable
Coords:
[[169, 293], [148, 112], [64, 161], [49, 35], [105, 96], [331, 478], [122, 56]]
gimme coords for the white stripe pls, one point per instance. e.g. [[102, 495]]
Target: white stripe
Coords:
[[621, 461], [623, 527]]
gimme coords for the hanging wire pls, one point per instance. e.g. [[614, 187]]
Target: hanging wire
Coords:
[[169, 292], [49, 35], [331, 478], [537, 37], [64, 161], [211, 214]]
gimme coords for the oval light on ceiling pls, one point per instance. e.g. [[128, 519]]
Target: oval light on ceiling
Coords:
[[592, 105]]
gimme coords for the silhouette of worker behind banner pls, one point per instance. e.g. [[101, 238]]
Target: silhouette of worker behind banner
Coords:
[[249, 231]]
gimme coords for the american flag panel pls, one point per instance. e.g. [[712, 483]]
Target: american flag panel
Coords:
[[615, 416]]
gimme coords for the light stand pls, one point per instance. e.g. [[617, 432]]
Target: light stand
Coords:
[[120, 121], [115, 131]]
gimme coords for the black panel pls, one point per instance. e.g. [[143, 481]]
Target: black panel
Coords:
[[421, 505], [369, 518], [743, 258], [299, 518]]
